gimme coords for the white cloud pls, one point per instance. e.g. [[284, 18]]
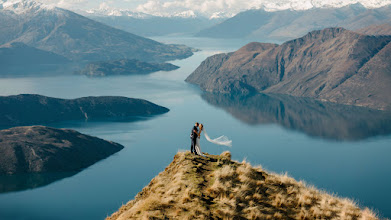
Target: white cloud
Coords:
[[69, 4], [211, 7]]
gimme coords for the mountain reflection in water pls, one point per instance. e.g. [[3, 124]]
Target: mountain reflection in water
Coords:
[[19, 182], [314, 118]]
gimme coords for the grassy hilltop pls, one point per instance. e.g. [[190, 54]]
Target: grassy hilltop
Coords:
[[193, 187]]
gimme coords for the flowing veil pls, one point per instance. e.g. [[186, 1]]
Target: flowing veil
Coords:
[[222, 140]]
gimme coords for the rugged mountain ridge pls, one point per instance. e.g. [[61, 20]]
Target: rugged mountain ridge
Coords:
[[76, 37], [215, 187], [37, 149], [332, 64], [30, 109], [283, 25]]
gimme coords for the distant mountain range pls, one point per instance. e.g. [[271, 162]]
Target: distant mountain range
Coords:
[[282, 25], [181, 23], [332, 64], [157, 26], [76, 37], [113, 12]]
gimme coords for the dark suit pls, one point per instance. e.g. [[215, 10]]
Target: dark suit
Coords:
[[194, 136]]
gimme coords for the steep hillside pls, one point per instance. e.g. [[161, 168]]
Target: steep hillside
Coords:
[[76, 37], [193, 187], [382, 29], [39, 149], [327, 64], [21, 54]]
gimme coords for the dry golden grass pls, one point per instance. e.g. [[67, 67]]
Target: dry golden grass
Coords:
[[193, 187]]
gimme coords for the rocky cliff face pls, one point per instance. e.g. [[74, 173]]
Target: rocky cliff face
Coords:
[[215, 187], [39, 149], [30, 109], [327, 64]]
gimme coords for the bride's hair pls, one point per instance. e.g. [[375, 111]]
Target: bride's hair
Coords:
[[201, 126]]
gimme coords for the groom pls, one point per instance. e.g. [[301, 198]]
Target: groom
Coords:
[[193, 137]]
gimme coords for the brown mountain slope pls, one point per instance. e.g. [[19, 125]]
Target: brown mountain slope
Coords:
[[315, 65], [382, 29], [193, 187]]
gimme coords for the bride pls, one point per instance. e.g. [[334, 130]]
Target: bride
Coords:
[[222, 140]]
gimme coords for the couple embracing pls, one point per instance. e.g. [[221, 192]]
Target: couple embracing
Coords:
[[195, 139]]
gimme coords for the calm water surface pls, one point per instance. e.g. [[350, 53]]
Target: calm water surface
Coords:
[[340, 149]]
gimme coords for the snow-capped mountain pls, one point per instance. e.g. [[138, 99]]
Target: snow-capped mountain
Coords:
[[115, 12], [140, 15], [299, 5], [208, 9], [24, 6]]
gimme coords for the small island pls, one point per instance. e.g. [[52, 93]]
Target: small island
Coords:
[[124, 67], [30, 109], [40, 149], [216, 187]]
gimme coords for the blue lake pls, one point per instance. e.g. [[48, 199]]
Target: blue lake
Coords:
[[340, 149]]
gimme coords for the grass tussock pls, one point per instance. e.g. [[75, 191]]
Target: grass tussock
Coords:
[[216, 187]]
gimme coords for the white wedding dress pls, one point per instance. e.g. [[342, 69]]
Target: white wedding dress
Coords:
[[222, 140], [198, 148]]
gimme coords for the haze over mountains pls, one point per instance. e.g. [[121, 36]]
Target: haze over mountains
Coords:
[[179, 23], [157, 26], [76, 37], [282, 25], [332, 64]]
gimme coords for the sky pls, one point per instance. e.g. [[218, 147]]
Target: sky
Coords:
[[205, 7]]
